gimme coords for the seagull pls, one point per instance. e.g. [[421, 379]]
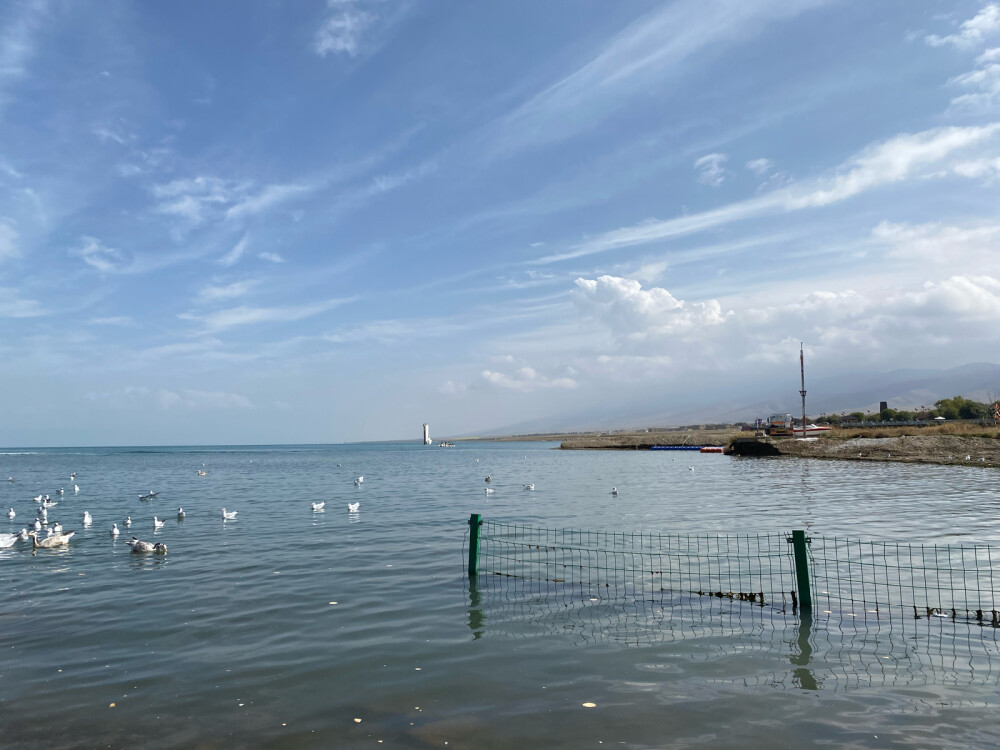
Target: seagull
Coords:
[[529, 486], [353, 507], [42, 515], [76, 488], [60, 491], [180, 513], [140, 546], [614, 491], [489, 490], [228, 515], [114, 529], [10, 479], [982, 459], [7, 540], [11, 513], [55, 529], [690, 468], [489, 477], [37, 525], [359, 481], [318, 506], [23, 536], [37, 498], [48, 504], [73, 475], [56, 540], [127, 522], [202, 473], [968, 458], [87, 518], [157, 523]]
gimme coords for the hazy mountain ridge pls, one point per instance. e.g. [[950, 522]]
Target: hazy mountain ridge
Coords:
[[902, 389]]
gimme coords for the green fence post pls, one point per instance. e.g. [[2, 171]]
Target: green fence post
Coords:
[[799, 542], [475, 521]]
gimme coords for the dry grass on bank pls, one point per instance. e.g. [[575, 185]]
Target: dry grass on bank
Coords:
[[963, 429]]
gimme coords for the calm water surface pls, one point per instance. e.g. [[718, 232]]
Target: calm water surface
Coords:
[[285, 627]]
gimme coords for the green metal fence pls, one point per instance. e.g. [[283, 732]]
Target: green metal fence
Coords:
[[787, 570]]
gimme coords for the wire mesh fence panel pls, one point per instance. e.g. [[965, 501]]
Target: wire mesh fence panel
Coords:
[[756, 568], [917, 580]]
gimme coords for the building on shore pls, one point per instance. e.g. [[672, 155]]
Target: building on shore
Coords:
[[427, 434]]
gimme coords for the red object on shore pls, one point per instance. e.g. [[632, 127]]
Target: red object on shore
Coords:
[[711, 449]]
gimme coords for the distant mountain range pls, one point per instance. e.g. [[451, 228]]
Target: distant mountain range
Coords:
[[902, 389]]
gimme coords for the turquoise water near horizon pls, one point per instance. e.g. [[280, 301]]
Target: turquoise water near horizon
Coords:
[[283, 628]]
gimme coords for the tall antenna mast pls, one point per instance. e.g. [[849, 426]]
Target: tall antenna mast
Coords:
[[802, 370]]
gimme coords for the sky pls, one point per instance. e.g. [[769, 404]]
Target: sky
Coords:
[[332, 221]]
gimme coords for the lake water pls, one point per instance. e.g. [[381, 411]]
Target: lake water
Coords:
[[289, 628]]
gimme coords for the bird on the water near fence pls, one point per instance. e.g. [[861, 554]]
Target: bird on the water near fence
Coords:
[[318, 506], [11, 513], [353, 507], [489, 491], [114, 529], [157, 523], [127, 522], [180, 514], [228, 515]]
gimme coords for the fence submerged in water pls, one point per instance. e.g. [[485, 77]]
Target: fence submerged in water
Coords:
[[783, 570]]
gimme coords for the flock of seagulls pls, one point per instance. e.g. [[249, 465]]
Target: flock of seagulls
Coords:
[[54, 536]]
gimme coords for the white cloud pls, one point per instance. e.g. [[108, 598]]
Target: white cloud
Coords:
[[233, 256], [985, 82], [184, 398], [268, 197], [8, 239], [123, 321], [760, 167], [711, 170], [974, 31], [965, 247], [213, 293], [899, 158], [12, 306], [239, 316], [906, 156], [272, 257], [629, 311], [97, 255], [525, 379], [342, 30], [638, 59]]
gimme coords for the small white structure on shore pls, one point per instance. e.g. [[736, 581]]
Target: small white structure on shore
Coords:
[[427, 434]]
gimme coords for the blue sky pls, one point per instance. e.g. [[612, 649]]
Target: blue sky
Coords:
[[256, 222]]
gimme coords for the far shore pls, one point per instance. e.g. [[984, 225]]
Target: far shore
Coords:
[[951, 444]]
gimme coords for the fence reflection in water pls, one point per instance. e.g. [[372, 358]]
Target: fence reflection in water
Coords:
[[883, 614]]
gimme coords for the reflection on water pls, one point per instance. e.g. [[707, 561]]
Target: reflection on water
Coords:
[[802, 655]]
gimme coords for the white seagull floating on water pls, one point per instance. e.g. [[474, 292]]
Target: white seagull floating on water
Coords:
[[614, 491], [359, 481], [7, 540], [157, 523], [180, 513], [529, 486], [353, 507], [87, 518], [76, 488], [318, 506], [56, 540], [114, 529], [11, 513], [489, 491], [127, 522], [228, 515]]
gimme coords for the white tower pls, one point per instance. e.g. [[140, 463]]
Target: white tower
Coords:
[[427, 434]]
